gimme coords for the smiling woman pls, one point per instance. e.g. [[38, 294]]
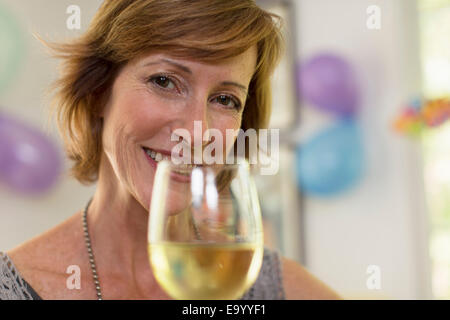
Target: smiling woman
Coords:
[[204, 31], [149, 101], [143, 69]]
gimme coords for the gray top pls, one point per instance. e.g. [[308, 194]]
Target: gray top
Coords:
[[268, 285]]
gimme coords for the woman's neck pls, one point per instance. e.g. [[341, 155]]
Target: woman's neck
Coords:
[[118, 230]]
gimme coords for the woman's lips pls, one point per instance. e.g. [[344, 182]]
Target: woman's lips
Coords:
[[173, 175], [153, 163]]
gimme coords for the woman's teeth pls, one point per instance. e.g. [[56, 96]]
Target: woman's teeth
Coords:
[[182, 168], [155, 155]]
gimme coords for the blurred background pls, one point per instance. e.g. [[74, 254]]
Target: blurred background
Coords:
[[361, 98]]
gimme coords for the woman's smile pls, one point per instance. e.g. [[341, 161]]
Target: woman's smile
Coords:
[[182, 174], [154, 156]]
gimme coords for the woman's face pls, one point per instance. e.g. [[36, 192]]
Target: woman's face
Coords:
[[156, 94]]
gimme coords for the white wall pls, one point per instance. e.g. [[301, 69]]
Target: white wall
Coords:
[[383, 221], [24, 217]]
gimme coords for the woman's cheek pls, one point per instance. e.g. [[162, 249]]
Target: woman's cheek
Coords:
[[229, 132], [120, 150]]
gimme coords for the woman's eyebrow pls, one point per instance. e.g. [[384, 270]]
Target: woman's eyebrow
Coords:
[[189, 71], [231, 83], [175, 64]]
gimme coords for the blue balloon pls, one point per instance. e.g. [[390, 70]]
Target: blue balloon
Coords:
[[332, 161]]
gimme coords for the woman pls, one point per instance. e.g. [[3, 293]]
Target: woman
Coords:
[[143, 69]]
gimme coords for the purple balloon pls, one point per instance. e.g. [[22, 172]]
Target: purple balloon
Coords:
[[327, 82], [29, 162]]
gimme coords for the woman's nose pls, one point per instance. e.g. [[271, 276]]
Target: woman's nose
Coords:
[[195, 120]]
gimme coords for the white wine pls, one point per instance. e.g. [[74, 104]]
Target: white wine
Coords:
[[191, 271]]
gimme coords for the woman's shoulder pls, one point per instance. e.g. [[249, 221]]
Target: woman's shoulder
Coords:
[[282, 278], [42, 249], [300, 284], [47, 256]]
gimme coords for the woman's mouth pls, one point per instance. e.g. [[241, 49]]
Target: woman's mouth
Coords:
[[183, 170], [151, 156], [154, 155]]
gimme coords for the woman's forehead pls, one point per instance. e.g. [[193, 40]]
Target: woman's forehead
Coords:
[[246, 60]]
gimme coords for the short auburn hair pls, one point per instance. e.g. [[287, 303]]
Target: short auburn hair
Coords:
[[121, 30]]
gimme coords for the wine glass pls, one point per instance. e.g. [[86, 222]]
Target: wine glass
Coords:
[[205, 238]]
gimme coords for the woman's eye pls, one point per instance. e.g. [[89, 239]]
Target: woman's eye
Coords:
[[163, 82], [228, 101]]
